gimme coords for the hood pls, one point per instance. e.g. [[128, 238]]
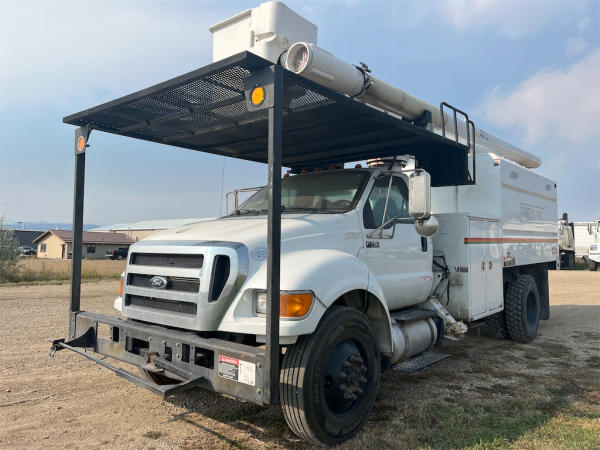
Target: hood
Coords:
[[339, 231]]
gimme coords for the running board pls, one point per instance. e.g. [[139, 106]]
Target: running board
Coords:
[[413, 315], [420, 362]]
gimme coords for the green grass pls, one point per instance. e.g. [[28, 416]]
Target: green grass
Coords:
[[33, 270]]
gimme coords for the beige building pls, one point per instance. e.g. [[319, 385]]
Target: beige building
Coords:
[[58, 244]]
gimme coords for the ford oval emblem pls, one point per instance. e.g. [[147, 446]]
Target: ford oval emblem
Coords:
[[158, 282]]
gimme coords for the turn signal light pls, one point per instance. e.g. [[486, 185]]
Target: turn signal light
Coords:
[[121, 286], [291, 304], [295, 305]]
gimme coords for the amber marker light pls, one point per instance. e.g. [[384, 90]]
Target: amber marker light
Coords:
[[121, 286], [80, 143], [257, 96], [295, 304]]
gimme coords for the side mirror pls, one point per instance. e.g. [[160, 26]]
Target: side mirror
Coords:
[[419, 203], [419, 196], [427, 227]]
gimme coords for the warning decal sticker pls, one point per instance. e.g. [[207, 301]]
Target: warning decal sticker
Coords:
[[237, 370]]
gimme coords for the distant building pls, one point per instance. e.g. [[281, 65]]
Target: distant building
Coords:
[[58, 244], [144, 228], [26, 237]]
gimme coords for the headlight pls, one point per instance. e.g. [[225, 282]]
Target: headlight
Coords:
[[593, 248], [291, 304]]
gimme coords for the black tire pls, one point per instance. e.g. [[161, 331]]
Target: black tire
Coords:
[[496, 326], [592, 265], [522, 309], [329, 379], [571, 260]]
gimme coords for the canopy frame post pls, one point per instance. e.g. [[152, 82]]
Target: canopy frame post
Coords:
[[81, 143], [275, 134]]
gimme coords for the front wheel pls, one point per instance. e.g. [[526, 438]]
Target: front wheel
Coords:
[[329, 379], [592, 265]]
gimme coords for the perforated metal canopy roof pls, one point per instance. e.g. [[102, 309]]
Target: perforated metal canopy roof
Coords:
[[206, 110]]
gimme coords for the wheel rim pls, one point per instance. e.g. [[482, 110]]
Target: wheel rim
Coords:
[[532, 312], [345, 378]]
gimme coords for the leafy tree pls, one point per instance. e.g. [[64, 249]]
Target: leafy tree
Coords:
[[9, 251]]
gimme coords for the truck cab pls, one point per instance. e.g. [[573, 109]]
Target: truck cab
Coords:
[[344, 232]]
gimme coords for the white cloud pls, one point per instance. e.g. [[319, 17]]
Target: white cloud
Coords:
[[575, 45], [583, 24], [510, 19], [54, 51], [553, 103]]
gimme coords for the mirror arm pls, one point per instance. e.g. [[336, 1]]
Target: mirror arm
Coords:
[[379, 230]]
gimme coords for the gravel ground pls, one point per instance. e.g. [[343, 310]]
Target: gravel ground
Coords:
[[71, 402]]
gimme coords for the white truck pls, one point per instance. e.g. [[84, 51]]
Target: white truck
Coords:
[[566, 243], [327, 277], [593, 257]]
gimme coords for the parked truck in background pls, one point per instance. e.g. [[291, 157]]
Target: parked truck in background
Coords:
[[377, 265], [566, 243], [120, 253], [593, 257]]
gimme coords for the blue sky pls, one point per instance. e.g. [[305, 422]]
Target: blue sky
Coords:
[[527, 71]]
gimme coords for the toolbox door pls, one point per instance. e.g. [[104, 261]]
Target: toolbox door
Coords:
[[477, 267], [493, 251]]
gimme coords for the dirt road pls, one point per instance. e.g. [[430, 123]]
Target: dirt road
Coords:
[[490, 392]]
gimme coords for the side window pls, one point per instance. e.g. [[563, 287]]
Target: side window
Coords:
[[375, 206]]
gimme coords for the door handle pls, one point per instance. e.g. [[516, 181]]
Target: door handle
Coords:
[[490, 264], [482, 265]]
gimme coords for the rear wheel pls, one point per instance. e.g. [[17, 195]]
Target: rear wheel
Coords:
[[522, 309], [329, 379]]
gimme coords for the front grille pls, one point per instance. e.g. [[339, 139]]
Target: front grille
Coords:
[[162, 304], [168, 260], [173, 283]]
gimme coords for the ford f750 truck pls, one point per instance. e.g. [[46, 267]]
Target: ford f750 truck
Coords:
[[328, 275]]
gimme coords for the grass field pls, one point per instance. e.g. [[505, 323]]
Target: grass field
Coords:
[[32, 270]]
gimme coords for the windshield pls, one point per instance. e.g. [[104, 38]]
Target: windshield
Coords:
[[316, 192]]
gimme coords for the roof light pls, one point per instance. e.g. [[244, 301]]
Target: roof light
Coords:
[[257, 96]]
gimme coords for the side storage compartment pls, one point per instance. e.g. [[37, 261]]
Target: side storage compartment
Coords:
[[472, 247]]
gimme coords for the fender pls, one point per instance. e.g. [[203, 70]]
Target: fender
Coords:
[[329, 274]]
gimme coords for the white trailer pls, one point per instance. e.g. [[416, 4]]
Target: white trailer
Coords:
[[584, 237], [592, 258], [327, 277]]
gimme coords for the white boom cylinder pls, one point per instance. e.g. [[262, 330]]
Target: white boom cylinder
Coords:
[[323, 67]]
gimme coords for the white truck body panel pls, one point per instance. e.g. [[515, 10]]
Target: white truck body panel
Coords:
[[584, 237], [267, 31], [507, 219]]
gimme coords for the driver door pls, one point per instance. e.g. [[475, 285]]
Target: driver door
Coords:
[[400, 259]]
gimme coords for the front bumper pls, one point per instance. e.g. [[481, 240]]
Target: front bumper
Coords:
[[218, 365]]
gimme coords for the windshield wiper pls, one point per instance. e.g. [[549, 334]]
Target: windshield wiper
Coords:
[[298, 208], [240, 212]]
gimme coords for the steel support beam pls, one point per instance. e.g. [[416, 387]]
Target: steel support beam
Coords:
[[81, 137], [274, 238]]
